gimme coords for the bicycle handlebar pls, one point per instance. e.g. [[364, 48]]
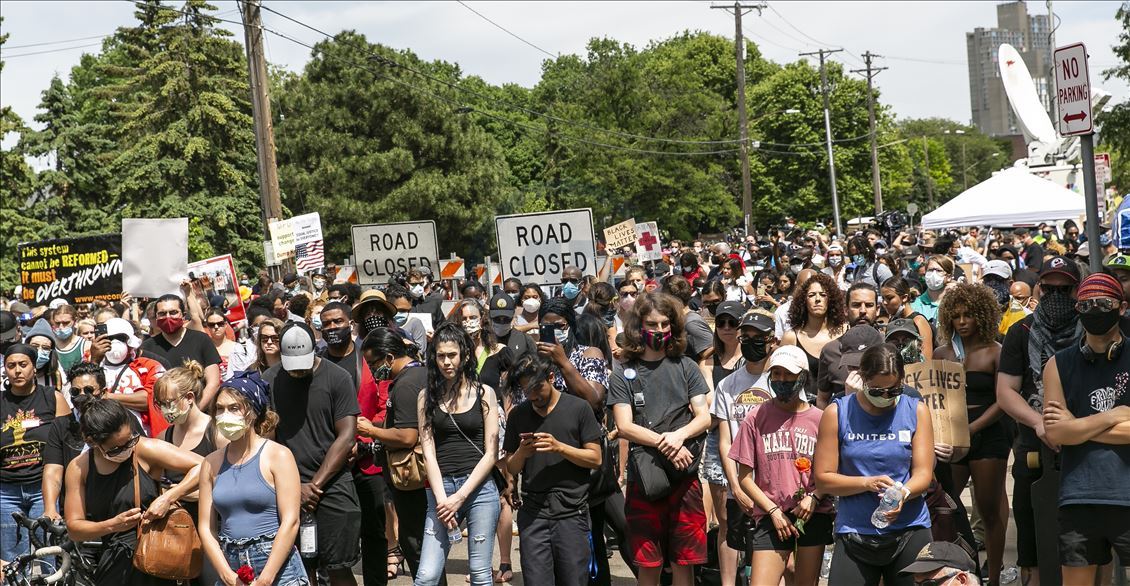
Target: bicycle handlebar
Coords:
[[64, 566]]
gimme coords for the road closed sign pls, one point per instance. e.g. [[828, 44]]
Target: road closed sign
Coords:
[[381, 250], [1073, 90], [536, 248]]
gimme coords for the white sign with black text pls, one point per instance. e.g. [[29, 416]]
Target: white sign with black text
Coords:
[[380, 250], [1073, 90], [537, 247]]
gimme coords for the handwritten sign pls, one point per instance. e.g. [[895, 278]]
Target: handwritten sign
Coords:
[[620, 235], [942, 386]]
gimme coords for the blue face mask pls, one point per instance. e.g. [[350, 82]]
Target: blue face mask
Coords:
[[316, 322], [65, 333], [401, 317], [858, 259], [570, 290], [42, 357]]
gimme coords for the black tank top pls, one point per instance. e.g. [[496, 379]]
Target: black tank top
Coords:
[[454, 454], [813, 364], [110, 494], [719, 372], [205, 447], [980, 388]]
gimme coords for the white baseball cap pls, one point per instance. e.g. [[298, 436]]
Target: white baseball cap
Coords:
[[790, 358], [297, 346], [119, 327], [998, 268]]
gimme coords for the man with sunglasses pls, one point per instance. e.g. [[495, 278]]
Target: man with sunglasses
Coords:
[[941, 563], [1087, 411], [574, 288]]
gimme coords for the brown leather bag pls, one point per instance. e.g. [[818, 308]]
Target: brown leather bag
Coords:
[[169, 547], [406, 467]]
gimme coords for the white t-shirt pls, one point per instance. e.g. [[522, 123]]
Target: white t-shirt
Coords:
[[781, 319], [737, 394]]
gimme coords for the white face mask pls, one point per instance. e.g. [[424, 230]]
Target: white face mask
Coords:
[[417, 291], [122, 457], [472, 326], [531, 305], [117, 353], [935, 280], [231, 426]]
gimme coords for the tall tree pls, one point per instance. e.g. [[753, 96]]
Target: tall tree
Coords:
[[1116, 122]]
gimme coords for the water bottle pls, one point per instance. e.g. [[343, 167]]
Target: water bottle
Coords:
[[890, 501], [455, 535], [308, 535], [1009, 574], [826, 565]]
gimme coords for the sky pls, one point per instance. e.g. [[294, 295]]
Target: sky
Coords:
[[923, 42]]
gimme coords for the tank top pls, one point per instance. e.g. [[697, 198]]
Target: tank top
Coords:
[[719, 372], [108, 495], [68, 358], [980, 388], [25, 424], [247, 506], [876, 445], [205, 447], [813, 364], [454, 454], [1093, 473]]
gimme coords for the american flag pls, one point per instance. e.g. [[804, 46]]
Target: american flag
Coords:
[[309, 256]]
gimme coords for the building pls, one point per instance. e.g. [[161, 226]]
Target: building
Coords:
[[1029, 34]]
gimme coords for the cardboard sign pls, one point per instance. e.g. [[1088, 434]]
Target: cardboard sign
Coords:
[[620, 235], [379, 250], [648, 246], [537, 248], [79, 270], [282, 239], [217, 276], [942, 385], [154, 256]]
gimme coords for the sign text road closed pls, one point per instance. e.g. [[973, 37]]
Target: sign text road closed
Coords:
[[380, 250], [538, 247], [1073, 90]]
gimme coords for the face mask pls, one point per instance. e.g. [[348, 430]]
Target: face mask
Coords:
[[858, 259], [561, 336], [65, 333], [1056, 310], [784, 391], [795, 268], [122, 457], [1099, 323], [501, 330], [570, 291], [881, 402], [316, 322], [698, 250], [472, 326], [175, 415], [171, 325], [626, 304], [531, 305], [417, 291], [914, 265], [401, 318], [117, 353], [318, 284], [609, 316], [371, 323], [513, 296], [42, 357], [655, 340], [279, 313], [382, 372], [1000, 290], [935, 280], [231, 426], [754, 350], [835, 261], [337, 336]]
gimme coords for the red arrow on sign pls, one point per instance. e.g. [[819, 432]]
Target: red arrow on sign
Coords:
[[1081, 116]]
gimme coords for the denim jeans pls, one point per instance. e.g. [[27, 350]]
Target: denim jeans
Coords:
[[26, 498], [481, 510], [255, 551]]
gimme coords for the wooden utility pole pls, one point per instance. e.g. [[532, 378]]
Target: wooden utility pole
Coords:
[[876, 184], [738, 9], [929, 179], [828, 134], [261, 113]]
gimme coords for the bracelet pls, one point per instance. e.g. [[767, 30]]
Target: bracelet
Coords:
[[773, 510]]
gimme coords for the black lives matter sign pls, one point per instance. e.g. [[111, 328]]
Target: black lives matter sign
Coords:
[[537, 248]]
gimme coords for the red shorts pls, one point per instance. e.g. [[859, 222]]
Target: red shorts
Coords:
[[672, 528]]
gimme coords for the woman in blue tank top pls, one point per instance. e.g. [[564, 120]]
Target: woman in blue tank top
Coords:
[[249, 492], [870, 439]]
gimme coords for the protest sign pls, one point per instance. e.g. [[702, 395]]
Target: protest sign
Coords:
[[154, 255], [380, 250], [282, 239], [216, 276], [79, 270], [648, 246], [942, 386], [538, 247], [620, 235]]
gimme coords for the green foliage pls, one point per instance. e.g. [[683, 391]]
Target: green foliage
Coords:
[[1116, 122]]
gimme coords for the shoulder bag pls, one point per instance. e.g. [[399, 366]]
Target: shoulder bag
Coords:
[[167, 548], [499, 479]]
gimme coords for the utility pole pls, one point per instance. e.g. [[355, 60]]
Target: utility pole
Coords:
[[738, 9], [828, 134], [929, 180], [876, 183], [261, 113]]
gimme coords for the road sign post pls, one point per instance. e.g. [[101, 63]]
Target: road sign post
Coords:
[[1074, 118]]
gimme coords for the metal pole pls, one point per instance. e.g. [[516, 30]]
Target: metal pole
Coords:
[[1088, 147], [964, 169]]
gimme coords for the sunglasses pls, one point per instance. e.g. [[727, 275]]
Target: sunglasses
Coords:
[[1103, 305], [1062, 289], [216, 324], [937, 581], [885, 392], [573, 281], [626, 294], [90, 390], [122, 448], [752, 340], [273, 339], [728, 324]]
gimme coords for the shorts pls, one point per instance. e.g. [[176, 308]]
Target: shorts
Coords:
[[738, 526], [817, 531], [339, 525], [712, 471], [1087, 533], [672, 528], [254, 553], [992, 443]]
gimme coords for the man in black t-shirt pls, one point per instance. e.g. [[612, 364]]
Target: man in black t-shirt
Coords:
[[1031, 252], [179, 344], [337, 333], [317, 406], [552, 439]]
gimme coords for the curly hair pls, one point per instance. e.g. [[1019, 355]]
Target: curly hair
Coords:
[[981, 304], [836, 317], [633, 346]]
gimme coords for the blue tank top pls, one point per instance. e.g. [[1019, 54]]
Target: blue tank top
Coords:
[[876, 445], [246, 504]]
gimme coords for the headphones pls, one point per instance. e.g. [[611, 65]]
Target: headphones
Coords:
[[1112, 352]]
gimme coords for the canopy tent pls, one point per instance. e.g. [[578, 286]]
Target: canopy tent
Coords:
[[1009, 198]]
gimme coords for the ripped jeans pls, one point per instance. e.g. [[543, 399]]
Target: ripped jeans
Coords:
[[480, 510]]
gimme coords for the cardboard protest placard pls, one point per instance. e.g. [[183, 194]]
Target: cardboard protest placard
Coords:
[[620, 235], [216, 276], [154, 255], [282, 238], [942, 386], [79, 270], [648, 245]]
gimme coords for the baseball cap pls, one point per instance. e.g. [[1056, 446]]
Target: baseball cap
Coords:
[[1116, 261], [902, 326], [501, 305], [19, 308], [9, 327], [855, 341], [998, 268], [119, 328], [56, 303], [940, 554], [731, 308], [757, 320], [790, 358], [1060, 265], [297, 345], [1084, 250]]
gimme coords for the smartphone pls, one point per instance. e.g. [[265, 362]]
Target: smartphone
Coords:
[[100, 330], [526, 436], [546, 333]]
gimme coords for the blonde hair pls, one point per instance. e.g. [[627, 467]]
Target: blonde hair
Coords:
[[189, 377]]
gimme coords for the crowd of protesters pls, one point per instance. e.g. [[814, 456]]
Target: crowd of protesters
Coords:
[[747, 388]]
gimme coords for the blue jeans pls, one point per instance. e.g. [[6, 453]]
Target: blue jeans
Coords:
[[255, 551], [26, 498], [481, 511]]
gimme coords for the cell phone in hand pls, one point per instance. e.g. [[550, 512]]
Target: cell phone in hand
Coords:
[[546, 333], [100, 330]]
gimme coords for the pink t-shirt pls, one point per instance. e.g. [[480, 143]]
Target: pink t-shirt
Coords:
[[771, 441]]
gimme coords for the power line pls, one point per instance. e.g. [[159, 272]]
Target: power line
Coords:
[[818, 42], [45, 43], [505, 30], [44, 52]]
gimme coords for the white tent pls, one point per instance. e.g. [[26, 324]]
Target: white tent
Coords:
[[1009, 198]]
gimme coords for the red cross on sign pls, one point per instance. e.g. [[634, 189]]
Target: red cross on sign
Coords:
[[648, 246], [648, 240]]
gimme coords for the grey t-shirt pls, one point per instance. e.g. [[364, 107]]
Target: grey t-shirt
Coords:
[[668, 386], [699, 336]]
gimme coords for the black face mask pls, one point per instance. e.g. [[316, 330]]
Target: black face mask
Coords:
[[754, 350], [373, 322], [1099, 323], [784, 391], [999, 289], [336, 336], [1056, 309]]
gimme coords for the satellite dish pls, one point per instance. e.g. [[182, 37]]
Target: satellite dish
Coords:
[[1022, 96]]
